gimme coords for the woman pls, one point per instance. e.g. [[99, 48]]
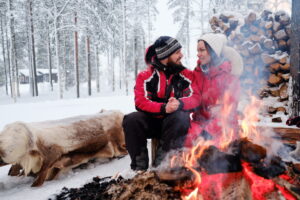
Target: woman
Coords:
[[217, 75]]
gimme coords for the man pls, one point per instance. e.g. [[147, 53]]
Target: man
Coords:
[[164, 95]]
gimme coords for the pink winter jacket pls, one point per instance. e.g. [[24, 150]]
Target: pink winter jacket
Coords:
[[219, 91]]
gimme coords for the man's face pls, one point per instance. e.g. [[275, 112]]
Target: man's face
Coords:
[[175, 58]]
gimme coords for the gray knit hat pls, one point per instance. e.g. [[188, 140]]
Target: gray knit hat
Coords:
[[163, 47]]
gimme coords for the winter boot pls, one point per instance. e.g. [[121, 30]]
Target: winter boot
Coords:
[[160, 155], [141, 161]]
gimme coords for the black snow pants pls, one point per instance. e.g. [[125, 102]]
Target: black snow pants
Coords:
[[138, 127]]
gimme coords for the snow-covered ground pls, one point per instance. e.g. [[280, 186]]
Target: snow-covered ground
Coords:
[[19, 187], [48, 107]]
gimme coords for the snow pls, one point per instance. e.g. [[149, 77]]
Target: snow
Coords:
[[19, 187]]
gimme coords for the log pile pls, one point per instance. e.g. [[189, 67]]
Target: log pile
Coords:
[[264, 43]]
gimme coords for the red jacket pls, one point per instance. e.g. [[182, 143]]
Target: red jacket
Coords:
[[153, 89], [219, 92]]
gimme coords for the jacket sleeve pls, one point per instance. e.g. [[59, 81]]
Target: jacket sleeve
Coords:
[[142, 101], [193, 100]]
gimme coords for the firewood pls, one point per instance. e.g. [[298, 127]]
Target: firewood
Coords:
[[262, 24], [282, 45], [274, 80], [244, 52], [214, 21], [281, 109], [283, 59], [268, 43], [245, 30], [290, 187], [288, 43], [265, 14], [277, 120], [274, 93], [268, 25], [238, 39], [283, 91], [271, 168], [253, 29], [263, 93], [250, 18], [272, 110], [267, 59], [285, 77], [255, 49], [283, 18], [288, 30], [275, 67], [285, 68], [224, 27], [280, 35], [296, 168], [251, 152], [276, 26], [269, 33], [175, 174], [232, 35], [233, 23], [261, 32], [224, 18], [247, 44], [215, 161], [213, 27], [288, 133], [255, 38]]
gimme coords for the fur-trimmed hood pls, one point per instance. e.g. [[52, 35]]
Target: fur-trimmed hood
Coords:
[[217, 42]]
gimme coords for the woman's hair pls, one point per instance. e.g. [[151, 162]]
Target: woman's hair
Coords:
[[214, 59]]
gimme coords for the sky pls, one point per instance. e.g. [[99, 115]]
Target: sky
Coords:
[[164, 24]]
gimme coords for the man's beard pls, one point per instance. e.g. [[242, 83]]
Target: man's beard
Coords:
[[173, 64]]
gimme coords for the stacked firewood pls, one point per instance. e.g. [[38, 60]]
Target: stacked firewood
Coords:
[[264, 43]]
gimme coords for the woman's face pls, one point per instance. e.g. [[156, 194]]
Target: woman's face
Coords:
[[203, 53]]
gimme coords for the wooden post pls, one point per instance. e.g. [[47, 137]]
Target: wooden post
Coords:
[[295, 57]]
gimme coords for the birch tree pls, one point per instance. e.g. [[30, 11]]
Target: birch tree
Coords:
[[12, 50]]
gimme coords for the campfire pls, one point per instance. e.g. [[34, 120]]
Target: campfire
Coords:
[[235, 166], [241, 166]]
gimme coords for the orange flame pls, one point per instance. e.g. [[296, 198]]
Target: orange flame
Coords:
[[226, 121], [249, 123], [226, 117]]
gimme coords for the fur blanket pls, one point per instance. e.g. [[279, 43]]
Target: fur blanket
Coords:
[[44, 149]]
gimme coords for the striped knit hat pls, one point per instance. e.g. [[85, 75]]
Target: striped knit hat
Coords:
[[163, 47]]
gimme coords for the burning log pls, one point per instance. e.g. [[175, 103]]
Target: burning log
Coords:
[[269, 168], [215, 161], [175, 175], [249, 151]]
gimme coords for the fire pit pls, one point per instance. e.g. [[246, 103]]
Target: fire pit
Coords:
[[241, 166]]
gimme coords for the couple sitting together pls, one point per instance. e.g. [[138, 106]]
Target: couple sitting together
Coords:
[[177, 105]]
